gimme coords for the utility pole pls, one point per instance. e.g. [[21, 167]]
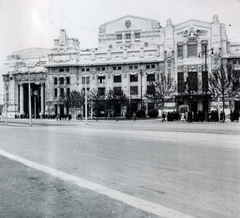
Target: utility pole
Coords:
[[86, 120], [6, 118], [29, 101], [206, 85], [141, 85]]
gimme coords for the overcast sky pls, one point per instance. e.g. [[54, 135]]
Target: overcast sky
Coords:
[[36, 23]]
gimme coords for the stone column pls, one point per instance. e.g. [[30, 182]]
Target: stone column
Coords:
[[21, 100]]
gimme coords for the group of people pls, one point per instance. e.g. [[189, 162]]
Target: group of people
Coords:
[[234, 116], [199, 116], [176, 116]]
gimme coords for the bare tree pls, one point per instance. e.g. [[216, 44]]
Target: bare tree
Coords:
[[161, 90], [98, 100], [74, 99], [115, 99], [223, 83]]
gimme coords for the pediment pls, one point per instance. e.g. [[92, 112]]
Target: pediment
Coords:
[[192, 29], [128, 23]]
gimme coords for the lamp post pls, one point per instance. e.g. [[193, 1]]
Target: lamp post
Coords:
[[6, 118], [205, 82], [206, 85], [29, 102], [86, 121], [141, 86]]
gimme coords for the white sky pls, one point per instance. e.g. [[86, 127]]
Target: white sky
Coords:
[[36, 23]]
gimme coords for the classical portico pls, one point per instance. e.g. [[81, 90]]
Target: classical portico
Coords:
[[24, 69]]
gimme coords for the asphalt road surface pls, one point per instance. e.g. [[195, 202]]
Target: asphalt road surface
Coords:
[[193, 169]]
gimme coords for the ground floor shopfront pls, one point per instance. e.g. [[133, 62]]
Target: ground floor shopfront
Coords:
[[41, 105]]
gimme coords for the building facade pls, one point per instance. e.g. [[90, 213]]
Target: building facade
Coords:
[[132, 51]]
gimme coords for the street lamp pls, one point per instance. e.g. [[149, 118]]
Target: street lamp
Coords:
[[141, 85], [30, 102], [86, 121], [6, 118], [205, 81]]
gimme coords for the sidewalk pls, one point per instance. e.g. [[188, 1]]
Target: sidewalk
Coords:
[[26, 192]]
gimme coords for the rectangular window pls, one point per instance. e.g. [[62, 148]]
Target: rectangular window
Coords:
[[180, 82], [83, 89], [101, 79], [119, 68], [151, 90], [101, 91], [119, 36], [55, 93], [67, 69], [117, 90], [128, 35], [180, 51], [103, 68], [61, 92], [134, 90], [98, 68], [204, 48], [83, 80], [68, 91], [61, 70], [83, 69], [130, 67], [117, 79], [135, 67], [114, 68], [134, 78], [151, 77], [205, 81], [148, 66], [192, 49], [137, 35], [87, 69], [153, 66], [68, 80], [193, 81], [61, 80], [55, 81]]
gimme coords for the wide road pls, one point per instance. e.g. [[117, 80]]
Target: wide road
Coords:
[[190, 168]]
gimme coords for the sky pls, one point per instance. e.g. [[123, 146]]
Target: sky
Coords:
[[36, 23]]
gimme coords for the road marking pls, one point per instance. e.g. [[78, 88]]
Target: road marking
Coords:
[[125, 198]]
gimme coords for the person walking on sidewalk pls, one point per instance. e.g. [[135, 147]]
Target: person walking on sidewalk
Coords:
[[134, 117]]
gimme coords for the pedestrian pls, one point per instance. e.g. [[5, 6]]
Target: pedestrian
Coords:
[[182, 117], [222, 117], [134, 117], [163, 117]]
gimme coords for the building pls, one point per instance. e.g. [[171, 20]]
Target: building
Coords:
[[131, 52]]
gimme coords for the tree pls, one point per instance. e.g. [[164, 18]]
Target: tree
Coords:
[[115, 98], [223, 83], [74, 99], [98, 101], [161, 90]]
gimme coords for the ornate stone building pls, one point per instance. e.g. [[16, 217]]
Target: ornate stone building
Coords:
[[131, 52]]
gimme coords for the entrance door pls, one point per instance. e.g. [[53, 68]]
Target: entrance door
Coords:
[[237, 106], [35, 99], [117, 111], [194, 108]]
